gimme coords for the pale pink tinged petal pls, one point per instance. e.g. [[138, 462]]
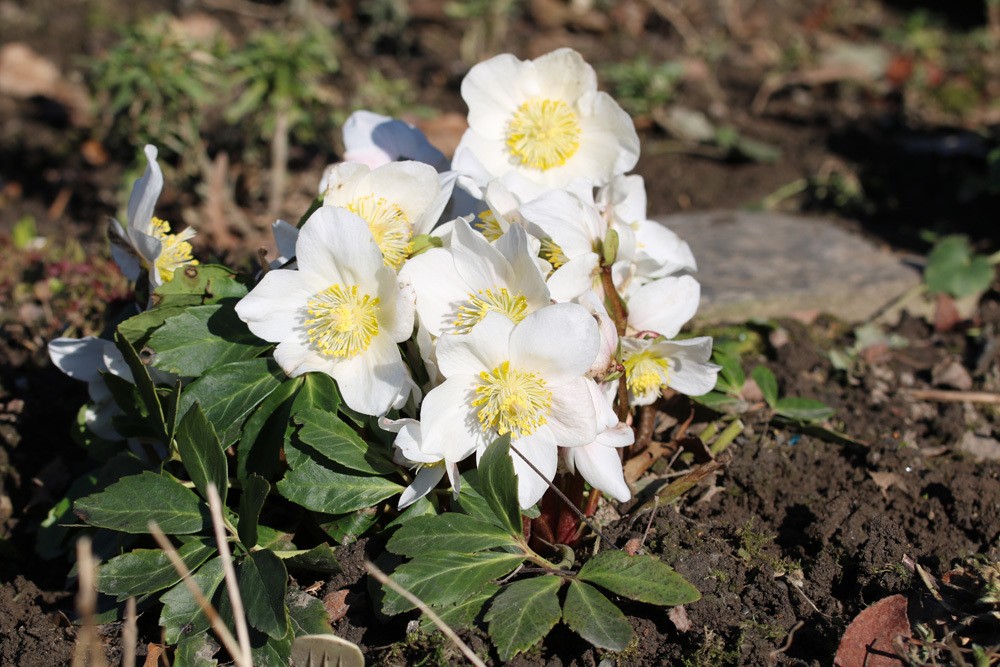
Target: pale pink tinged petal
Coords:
[[424, 481], [340, 182], [371, 381], [337, 245], [480, 265], [664, 306], [79, 358], [482, 349], [145, 192], [492, 91], [297, 358], [540, 449], [560, 341], [449, 425], [602, 468], [563, 74], [396, 425], [573, 419], [396, 305], [439, 289], [573, 278], [561, 216]]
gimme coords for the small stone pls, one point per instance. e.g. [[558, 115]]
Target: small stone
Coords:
[[759, 265]]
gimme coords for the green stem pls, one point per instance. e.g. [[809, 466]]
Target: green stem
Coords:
[[726, 437]]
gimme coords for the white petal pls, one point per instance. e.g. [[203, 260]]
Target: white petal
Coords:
[[573, 420], [492, 91], [664, 306], [482, 349], [338, 246], [439, 288], [479, 264], [413, 186], [396, 305], [79, 358], [296, 359], [374, 139], [690, 371], [449, 425], [371, 381], [540, 449], [274, 309], [285, 237], [574, 277], [425, 480], [340, 182], [145, 192], [123, 251], [563, 74], [560, 341], [660, 251], [602, 468], [565, 219]]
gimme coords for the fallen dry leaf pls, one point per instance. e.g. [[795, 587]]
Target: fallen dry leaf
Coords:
[[678, 616], [336, 605], [884, 480], [871, 636]]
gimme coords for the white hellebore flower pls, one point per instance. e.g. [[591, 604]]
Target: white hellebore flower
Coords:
[[429, 468], [341, 313], [398, 200], [146, 242], [679, 364], [663, 306], [538, 124], [372, 139], [457, 286], [523, 380], [599, 462]]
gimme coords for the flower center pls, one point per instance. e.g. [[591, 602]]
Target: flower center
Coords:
[[390, 226], [343, 322], [488, 225], [499, 300], [645, 373], [174, 251], [543, 134], [512, 401], [552, 253]]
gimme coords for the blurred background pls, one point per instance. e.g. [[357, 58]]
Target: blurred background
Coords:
[[883, 114]]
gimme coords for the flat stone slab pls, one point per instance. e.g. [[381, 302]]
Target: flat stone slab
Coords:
[[753, 265]]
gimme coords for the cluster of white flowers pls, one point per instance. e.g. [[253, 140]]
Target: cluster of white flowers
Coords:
[[505, 305], [508, 273]]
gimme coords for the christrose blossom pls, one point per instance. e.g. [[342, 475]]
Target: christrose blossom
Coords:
[[524, 380], [373, 140], [538, 124], [600, 462], [146, 242], [679, 364], [341, 313]]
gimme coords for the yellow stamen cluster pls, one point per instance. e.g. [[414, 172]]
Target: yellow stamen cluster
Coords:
[[552, 253], [389, 224], [342, 321], [512, 401], [174, 253], [543, 134], [487, 225], [499, 300], [646, 373]]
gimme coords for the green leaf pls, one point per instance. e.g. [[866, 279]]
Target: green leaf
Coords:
[[196, 651], [471, 501], [144, 385], [596, 618], [130, 504], [767, 383], [318, 488], [202, 337], [319, 391], [806, 410], [642, 578], [321, 558], [346, 528], [523, 614], [498, 484], [445, 577], [139, 327], [718, 401], [307, 615], [954, 269], [255, 490], [228, 393], [422, 507], [266, 651], [144, 571], [447, 532], [462, 614], [329, 436], [731, 376], [182, 616], [202, 454], [266, 431], [262, 578], [199, 285]]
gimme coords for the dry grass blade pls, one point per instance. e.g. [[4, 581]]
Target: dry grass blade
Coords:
[[950, 396], [221, 631], [239, 616], [130, 634], [382, 578], [87, 642]]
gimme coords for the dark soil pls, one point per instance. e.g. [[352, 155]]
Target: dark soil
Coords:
[[791, 539]]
